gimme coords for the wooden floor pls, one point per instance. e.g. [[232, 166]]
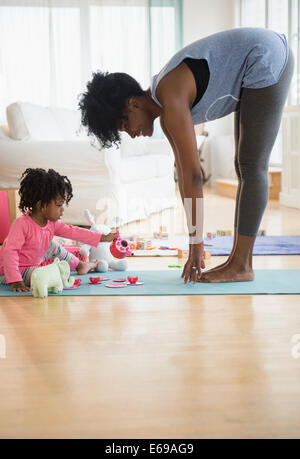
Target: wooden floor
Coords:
[[156, 367]]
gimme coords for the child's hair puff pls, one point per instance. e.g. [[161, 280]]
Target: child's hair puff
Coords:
[[41, 185]]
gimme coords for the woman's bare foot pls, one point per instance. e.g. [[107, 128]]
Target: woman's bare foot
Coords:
[[225, 263], [229, 273], [85, 267]]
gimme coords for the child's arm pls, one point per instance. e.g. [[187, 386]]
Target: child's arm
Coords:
[[82, 234]]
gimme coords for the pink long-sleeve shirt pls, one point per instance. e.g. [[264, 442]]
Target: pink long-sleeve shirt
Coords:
[[27, 243]]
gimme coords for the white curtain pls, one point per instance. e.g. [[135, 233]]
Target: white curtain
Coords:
[[283, 17], [49, 48]]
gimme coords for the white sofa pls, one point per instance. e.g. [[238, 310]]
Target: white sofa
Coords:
[[128, 183]]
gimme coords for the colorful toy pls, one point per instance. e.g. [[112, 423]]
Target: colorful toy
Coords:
[[120, 248], [132, 280], [140, 245], [52, 278], [135, 283], [102, 252], [224, 233], [95, 280], [210, 235], [162, 234], [113, 285]]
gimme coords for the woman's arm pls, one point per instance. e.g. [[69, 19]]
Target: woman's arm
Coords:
[[178, 127]]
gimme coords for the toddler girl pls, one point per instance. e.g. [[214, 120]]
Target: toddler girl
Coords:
[[30, 238]]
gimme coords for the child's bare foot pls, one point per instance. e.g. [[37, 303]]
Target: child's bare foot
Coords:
[[85, 267]]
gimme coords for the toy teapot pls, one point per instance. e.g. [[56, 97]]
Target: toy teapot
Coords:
[[120, 248]]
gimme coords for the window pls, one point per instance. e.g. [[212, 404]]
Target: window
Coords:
[[49, 48], [282, 17]]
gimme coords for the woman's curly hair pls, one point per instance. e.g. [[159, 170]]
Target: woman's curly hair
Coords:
[[103, 104], [41, 185]]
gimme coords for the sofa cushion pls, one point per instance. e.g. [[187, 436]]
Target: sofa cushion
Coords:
[[145, 167], [69, 122], [32, 122]]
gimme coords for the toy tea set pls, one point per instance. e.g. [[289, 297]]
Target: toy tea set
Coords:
[[111, 255]]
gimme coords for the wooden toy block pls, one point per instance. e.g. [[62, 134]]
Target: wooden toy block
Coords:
[[132, 246], [224, 233], [209, 235], [140, 245], [162, 229], [163, 235], [183, 253]]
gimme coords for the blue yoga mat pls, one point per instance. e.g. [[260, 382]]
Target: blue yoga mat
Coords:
[[169, 282], [264, 245]]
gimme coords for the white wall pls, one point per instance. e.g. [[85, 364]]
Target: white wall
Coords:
[[205, 17], [202, 18]]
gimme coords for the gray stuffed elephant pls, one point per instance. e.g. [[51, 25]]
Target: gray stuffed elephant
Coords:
[[52, 278]]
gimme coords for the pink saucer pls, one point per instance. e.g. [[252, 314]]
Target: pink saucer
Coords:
[[136, 283], [77, 283], [119, 280], [103, 278], [113, 285]]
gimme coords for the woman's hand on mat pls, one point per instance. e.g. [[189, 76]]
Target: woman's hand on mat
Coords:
[[19, 287], [109, 237], [192, 269]]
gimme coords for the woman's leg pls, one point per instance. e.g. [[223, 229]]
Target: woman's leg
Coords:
[[237, 169], [260, 117]]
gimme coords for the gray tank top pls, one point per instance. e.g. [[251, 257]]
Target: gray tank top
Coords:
[[238, 58]]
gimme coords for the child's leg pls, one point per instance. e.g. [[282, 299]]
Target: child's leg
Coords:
[[56, 250], [26, 275]]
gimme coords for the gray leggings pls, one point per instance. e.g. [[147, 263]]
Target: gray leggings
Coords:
[[256, 127]]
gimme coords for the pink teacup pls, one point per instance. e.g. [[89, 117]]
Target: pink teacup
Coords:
[[132, 280], [95, 280]]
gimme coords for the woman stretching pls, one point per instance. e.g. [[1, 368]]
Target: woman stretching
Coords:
[[247, 71]]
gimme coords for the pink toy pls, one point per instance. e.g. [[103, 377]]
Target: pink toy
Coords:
[[136, 283], [113, 285], [95, 280], [77, 283], [120, 248], [132, 280]]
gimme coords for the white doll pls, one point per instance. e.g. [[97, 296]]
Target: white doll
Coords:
[[102, 251]]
